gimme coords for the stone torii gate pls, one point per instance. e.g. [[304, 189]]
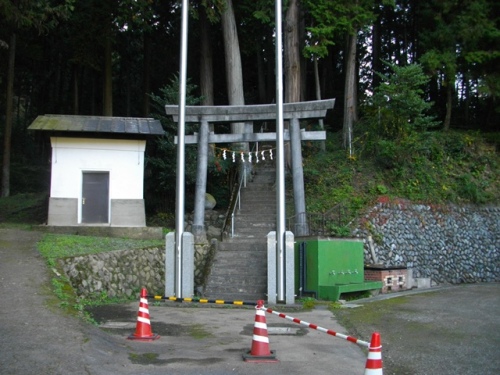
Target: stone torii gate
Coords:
[[293, 112]]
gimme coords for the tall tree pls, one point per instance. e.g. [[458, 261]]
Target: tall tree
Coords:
[[332, 19], [234, 72], [292, 53], [206, 60], [41, 16], [350, 92], [457, 37]]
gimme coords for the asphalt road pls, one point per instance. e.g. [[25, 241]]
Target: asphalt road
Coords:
[[448, 331]]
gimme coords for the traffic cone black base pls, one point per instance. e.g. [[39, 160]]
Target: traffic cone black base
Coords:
[[248, 357], [260, 351]]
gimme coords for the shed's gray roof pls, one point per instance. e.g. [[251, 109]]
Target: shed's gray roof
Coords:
[[97, 124]]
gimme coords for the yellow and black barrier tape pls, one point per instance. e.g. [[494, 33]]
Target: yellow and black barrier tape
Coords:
[[204, 300]]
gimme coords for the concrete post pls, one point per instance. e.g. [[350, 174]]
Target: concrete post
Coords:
[[201, 180], [186, 263], [299, 196], [271, 268], [289, 268], [170, 264]]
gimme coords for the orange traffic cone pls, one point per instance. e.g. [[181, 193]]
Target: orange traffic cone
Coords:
[[143, 327], [260, 343], [374, 360]]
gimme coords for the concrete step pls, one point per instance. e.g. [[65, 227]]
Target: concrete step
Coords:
[[237, 239], [259, 199], [240, 247], [221, 292], [253, 212], [239, 258], [247, 224], [245, 297], [258, 269], [239, 270]]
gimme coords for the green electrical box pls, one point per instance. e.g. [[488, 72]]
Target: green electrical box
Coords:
[[329, 267]]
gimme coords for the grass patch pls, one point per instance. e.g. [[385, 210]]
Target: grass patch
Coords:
[[426, 167], [197, 331], [23, 209], [145, 359], [55, 246]]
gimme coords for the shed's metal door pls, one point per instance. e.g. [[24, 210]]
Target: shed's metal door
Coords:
[[95, 197]]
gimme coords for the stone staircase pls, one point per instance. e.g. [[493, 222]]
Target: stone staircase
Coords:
[[239, 270]]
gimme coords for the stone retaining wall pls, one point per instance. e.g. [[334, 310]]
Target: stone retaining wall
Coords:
[[123, 273], [445, 243], [117, 273]]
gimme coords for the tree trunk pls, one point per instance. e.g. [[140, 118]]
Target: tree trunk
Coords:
[[8, 118], [318, 97], [261, 78], [292, 53], [76, 97], [449, 103], [146, 76], [292, 62], [234, 74], [376, 51], [206, 61], [292, 94], [108, 85], [206, 68], [350, 107]]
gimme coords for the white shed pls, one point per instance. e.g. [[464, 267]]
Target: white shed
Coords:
[[97, 169]]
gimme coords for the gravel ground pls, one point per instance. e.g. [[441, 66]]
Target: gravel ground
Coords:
[[447, 331]]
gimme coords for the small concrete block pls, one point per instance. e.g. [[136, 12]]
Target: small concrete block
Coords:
[[271, 268], [170, 264], [423, 282]]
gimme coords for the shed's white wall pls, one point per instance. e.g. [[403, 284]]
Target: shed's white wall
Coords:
[[123, 159]]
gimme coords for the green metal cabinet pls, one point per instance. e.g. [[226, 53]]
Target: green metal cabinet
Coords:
[[329, 267]]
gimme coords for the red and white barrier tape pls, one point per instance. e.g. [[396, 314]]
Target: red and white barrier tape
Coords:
[[318, 328]]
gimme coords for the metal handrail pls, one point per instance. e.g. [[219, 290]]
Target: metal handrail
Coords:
[[235, 202], [243, 181], [318, 224], [236, 199]]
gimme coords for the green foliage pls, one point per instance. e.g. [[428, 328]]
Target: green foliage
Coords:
[[161, 158], [308, 302], [397, 107], [332, 19], [431, 167], [41, 15], [29, 208], [339, 231], [54, 246]]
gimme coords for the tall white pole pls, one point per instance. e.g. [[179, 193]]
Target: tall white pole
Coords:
[[280, 158], [180, 197]]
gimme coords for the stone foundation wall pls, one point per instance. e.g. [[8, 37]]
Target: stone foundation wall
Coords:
[[117, 273], [445, 243], [123, 273]]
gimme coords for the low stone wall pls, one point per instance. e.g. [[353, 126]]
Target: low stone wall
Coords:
[[117, 273], [123, 273], [445, 243]]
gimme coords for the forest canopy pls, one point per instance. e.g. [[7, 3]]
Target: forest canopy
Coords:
[[116, 57]]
